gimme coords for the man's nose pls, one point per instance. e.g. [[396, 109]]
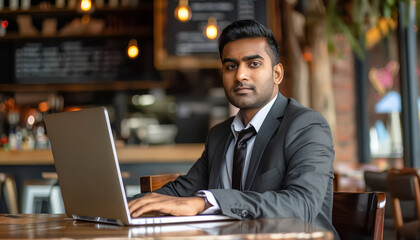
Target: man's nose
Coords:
[[242, 73]]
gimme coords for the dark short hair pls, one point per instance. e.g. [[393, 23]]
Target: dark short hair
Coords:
[[249, 29]]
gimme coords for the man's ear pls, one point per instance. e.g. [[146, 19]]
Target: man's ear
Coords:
[[278, 73]]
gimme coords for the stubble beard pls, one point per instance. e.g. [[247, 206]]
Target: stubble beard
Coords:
[[252, 100], [247, 101]]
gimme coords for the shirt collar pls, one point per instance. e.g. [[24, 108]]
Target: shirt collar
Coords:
[[238, 125]]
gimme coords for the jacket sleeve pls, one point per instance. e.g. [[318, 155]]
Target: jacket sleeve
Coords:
[[198, 176], [196, 179], [309, 153]]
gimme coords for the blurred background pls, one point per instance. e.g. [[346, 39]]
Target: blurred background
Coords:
[[155, 66]]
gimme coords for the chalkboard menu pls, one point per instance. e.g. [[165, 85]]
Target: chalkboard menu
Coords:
[[73, 62], [184, 45], [188, 38]]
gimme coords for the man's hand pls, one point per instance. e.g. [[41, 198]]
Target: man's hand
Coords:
[[177, 206]]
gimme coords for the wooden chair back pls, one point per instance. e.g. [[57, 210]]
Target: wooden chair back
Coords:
[[359, 215], [8, 187], [375, 181], [336, 182], [153, 182], [403, 185]]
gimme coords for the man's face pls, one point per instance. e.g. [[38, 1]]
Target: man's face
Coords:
[[249, 79]]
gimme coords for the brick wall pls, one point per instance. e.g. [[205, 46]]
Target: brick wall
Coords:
[[344, 94]]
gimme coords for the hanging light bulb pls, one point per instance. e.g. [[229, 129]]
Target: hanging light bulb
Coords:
[[132, 49], [183, 11], [85, 5], [211, 30]]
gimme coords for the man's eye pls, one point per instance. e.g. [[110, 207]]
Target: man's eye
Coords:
[[255, 64], [231, 66]]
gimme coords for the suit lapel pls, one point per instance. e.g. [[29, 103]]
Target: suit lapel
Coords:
[[219, 158], [270, 124]]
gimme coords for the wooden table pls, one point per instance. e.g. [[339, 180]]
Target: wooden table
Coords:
[[59, 226]]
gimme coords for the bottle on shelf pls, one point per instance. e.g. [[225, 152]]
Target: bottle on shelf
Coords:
[[4, 142], [2, 27], [15, 139], [72, 4], [113, 3], [41, 139], [13, 4], [99, 3], [60, 3], [12, 141], [25, 4]]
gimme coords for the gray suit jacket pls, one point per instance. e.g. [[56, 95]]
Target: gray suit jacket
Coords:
[[290, 172]]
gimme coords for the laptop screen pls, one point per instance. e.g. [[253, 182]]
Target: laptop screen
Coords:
[[86, 163]]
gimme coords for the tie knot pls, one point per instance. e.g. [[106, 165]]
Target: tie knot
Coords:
[[246, 134]]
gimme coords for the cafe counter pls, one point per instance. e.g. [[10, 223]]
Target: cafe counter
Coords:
[[126, 154]]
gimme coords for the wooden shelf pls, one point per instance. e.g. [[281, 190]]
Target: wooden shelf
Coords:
[[128, 154], [133, 23], [53, 11], [83, 87], [144, 32]]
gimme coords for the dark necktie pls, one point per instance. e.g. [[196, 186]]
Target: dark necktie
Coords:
[[239, 156]]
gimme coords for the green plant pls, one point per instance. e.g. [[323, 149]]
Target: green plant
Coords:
[[353, 18]]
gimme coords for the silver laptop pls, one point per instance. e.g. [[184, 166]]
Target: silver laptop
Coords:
[[88, 170]]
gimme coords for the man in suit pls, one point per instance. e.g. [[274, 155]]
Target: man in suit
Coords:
[[287, 165]]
